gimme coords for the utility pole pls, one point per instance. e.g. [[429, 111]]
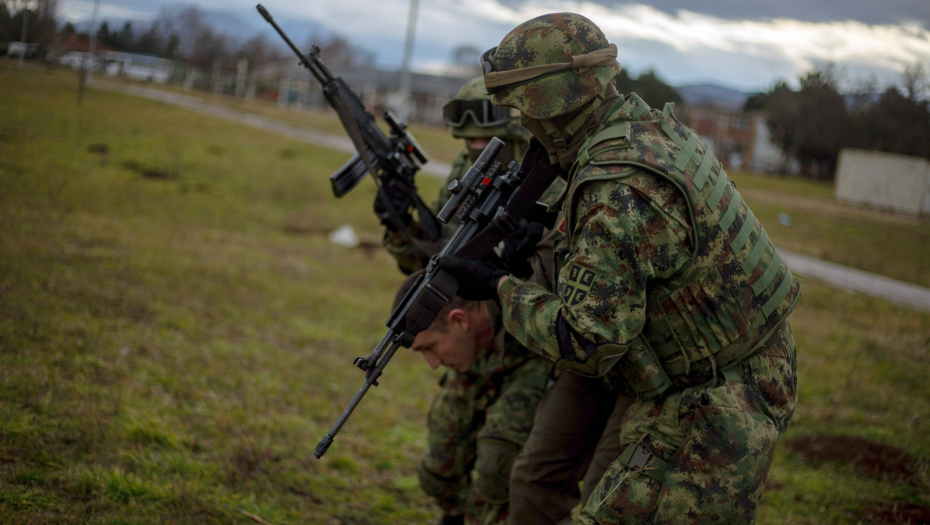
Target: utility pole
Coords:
[[93, 44], [22, 52], [405, 79]]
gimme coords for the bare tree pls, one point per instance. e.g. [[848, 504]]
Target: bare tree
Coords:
[[41, 24], [465, 60], [185, 23], [338, 51], [259, 52], [915, 81]]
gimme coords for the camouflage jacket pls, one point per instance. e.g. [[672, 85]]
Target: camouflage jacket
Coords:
[[496, 399], [658, 243]]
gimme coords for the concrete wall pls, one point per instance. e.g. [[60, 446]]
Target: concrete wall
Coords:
[[884, 180]]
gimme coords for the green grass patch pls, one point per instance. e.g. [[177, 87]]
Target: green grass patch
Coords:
[[173, 347]]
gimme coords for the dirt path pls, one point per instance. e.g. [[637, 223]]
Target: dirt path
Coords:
[[834, 274], [320, 138], [898, 292]]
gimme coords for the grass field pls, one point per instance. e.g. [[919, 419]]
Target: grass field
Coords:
[[176, 333], [820, 227]]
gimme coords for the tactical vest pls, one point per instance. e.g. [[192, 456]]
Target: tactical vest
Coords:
[[734, 291]]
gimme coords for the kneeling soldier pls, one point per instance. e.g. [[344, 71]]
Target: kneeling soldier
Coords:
[[483, 414]]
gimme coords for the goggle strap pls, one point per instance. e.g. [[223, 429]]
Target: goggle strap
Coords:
[[496, 81]]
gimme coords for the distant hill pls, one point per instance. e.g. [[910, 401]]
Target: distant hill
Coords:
[[711, 95]]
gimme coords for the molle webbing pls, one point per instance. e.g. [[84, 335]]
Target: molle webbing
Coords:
[[726, 300], [734, 208]]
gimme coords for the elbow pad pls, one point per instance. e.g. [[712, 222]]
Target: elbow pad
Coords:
[[597, 360]]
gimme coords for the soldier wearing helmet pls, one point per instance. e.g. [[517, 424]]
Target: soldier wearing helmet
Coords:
[[470, 116], [667, 286]]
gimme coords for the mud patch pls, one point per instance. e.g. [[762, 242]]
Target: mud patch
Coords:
[[896, 512], [149, 173], [213, 149], [871, 459], [249, 462], [287, 153], [99, 149]]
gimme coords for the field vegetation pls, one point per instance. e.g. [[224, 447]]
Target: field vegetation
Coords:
[[176, 333]]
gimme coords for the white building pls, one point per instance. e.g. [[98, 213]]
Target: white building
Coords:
[[897, 183], [147, 68]]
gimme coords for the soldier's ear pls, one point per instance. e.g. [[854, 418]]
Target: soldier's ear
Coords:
[[459, 318]]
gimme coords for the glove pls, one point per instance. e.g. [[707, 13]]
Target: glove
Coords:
[[477, 279], [452, 520], [401, 199], [520, 246], [535, 154]]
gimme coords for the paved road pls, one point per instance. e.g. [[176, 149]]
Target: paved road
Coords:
[[834, 274], [321, 138]]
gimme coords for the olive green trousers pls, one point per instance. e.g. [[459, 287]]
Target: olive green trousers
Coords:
[[575, 437]]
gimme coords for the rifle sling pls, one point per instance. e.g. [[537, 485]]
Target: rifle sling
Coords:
[[539, 178]]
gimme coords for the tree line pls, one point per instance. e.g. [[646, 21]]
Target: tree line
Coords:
[[827, 113], [41, 27], [182, 33]]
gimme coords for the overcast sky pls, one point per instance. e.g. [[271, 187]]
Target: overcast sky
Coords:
[[744, 44]]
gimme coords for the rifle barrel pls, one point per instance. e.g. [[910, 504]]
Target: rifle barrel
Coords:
[[267, 16], [370, 379]]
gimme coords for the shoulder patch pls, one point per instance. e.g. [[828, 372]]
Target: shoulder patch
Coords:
[[577, 284]]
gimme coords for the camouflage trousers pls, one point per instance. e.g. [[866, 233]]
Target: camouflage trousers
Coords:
[[480, 423], [702, 454]]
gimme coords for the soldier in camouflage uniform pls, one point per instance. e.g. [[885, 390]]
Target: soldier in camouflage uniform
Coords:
[[457, 417], [472, 117], [483, 412], [667, 284]]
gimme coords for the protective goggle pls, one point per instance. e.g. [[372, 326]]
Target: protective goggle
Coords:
[[487, 61], [482, 112]]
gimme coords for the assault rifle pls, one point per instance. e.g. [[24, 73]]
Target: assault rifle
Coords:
[[489, 201], [392, 161]]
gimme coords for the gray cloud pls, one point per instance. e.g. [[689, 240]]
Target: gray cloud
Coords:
[[865, 11]]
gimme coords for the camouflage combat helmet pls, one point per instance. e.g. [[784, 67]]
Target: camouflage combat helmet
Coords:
[[471, 114], [550, 65]]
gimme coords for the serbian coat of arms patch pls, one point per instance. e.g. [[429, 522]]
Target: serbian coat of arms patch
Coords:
[[577, 285]]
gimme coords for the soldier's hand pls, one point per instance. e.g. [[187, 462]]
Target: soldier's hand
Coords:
[[520, 246], [400, 199], [477, 279]]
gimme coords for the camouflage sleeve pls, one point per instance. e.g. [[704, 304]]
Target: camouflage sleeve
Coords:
[[451, 435], [408, 256], [620, 241]]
